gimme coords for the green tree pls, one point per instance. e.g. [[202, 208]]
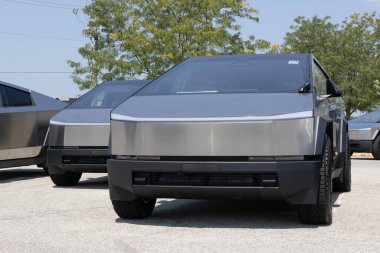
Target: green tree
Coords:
[[350, 53], [144, 38]]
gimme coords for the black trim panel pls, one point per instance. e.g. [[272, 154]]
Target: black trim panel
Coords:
[[361, 146], [298, 181], [56, 156]]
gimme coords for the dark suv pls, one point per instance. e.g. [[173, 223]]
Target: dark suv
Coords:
[[267, 127]]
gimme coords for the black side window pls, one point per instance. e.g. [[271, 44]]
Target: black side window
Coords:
[[320, 80], [2, 97], [17, 97]]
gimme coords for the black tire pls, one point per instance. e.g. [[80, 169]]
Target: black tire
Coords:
[[67, 179], [137, 209], [376, 148], [321, 213], [343, 182]]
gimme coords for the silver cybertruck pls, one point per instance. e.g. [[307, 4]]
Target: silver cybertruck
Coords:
[[364, 134], [24, 123], [79, 134], [242, 127]]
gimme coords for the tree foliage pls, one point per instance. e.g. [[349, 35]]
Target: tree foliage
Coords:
[[350, 53], [134, 38]]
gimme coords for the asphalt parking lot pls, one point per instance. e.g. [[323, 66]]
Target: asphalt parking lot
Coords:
[[35, 216]]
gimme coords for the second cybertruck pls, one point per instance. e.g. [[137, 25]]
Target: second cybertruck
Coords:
[[79, 134]]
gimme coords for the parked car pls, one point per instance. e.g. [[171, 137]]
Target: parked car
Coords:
[[24, 122], [79, 134], [364, 134], [242, 127]]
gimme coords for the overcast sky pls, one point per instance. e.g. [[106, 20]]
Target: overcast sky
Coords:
[[59, 34]]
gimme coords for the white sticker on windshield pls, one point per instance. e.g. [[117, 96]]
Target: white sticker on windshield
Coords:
[[293, 62]]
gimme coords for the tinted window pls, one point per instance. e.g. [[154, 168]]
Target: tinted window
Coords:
[[17, 97], [373, 117], [105, 96], [237, 75], [2, 97], [319, 79]]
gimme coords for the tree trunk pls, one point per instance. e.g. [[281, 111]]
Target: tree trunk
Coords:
[[348, 113]]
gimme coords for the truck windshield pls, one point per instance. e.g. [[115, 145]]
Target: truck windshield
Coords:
[[231, 76], [105, 96]]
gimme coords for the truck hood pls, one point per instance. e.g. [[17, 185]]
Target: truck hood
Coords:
[[358, 126], [82, 117], [201, 107]]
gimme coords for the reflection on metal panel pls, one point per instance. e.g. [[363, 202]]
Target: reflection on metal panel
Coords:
[[363, 134], [296, 115], [4, 154], [18, 153], [79, 135], [214, 106]]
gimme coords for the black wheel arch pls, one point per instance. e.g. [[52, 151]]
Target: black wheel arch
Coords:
[[323, 125]]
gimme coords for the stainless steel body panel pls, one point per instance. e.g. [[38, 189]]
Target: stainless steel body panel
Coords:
[[229, 138], [79, 136], [363, 134], [214, 125], [26, 152], [28, 131], [363, 131], [80, 128]]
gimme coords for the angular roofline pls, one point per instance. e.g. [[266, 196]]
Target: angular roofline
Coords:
[[130, 82], [15, 86]]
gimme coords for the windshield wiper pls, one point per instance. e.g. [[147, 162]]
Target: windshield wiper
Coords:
[[305, 88]]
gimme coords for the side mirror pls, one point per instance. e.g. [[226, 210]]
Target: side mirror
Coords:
[[333, 90]]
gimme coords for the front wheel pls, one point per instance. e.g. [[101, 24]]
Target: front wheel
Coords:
[[137, 209], [67, 179], [321, 213]]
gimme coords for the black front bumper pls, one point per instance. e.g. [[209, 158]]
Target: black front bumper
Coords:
[[297, 182], [61, 161], [361, 146]]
